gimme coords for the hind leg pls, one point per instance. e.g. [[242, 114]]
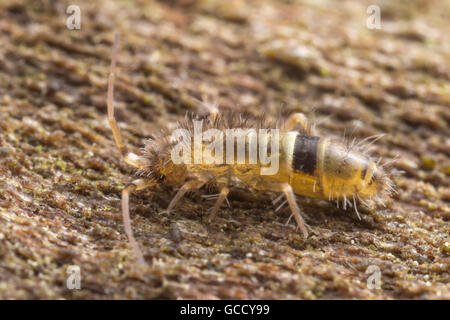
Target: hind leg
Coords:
[[296, 212]]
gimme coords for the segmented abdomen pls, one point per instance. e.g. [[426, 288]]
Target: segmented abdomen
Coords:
[[305, 154]]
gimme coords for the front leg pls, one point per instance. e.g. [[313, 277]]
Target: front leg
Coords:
[[188, 186]]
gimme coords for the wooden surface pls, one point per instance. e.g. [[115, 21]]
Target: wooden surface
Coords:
[[61, 175]]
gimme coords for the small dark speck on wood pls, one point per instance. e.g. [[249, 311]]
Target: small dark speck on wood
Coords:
[[175, 233]]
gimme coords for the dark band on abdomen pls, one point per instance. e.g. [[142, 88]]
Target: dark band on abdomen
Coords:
[[305, 154]]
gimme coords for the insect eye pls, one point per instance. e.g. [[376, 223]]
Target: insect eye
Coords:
[[161, 178]]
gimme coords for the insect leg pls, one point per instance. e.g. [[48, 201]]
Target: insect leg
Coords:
[[302, 120], [188, 186], [129, 157], [222, 196], [210, 109], [133, 186], [296, 212]]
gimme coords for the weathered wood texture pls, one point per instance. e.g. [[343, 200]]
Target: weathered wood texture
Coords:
[[61, 174]]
